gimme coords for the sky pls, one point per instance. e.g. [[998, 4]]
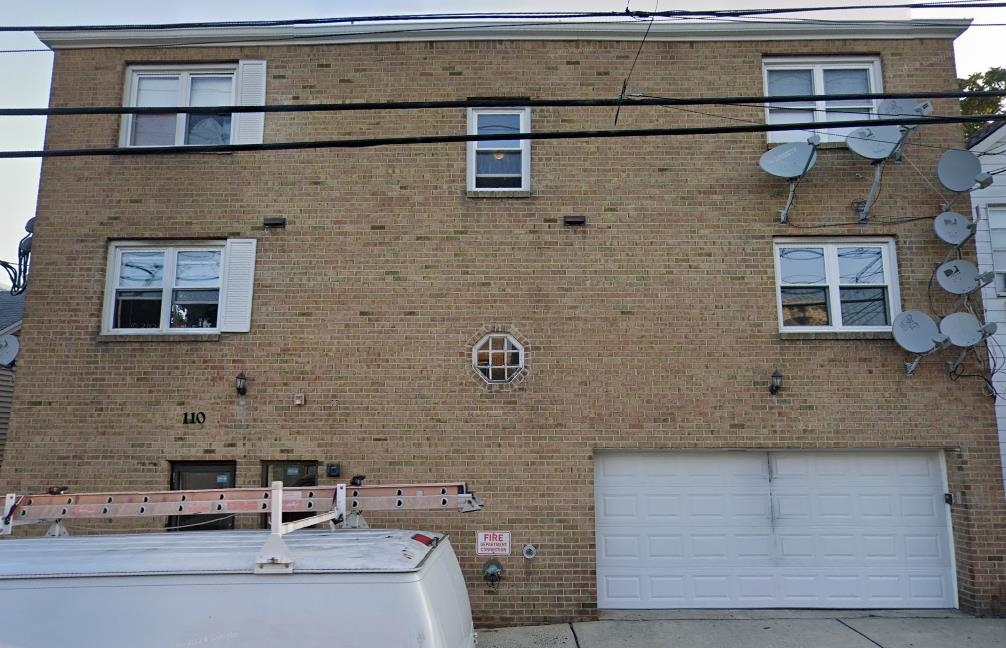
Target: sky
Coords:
[[24, 76]]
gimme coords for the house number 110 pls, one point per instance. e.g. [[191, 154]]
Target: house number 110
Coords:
[[189, 418]]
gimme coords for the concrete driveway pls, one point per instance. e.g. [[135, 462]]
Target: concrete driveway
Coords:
[[762, 629]]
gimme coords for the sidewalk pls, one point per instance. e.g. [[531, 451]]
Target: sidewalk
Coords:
[[762, 629]]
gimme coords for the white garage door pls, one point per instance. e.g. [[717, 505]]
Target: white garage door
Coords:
[[772, 529]]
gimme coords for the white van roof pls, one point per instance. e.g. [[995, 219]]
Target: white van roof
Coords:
[[213, 552]]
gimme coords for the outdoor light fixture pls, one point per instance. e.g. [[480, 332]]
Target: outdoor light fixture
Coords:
[[776, 384], [241, 384]]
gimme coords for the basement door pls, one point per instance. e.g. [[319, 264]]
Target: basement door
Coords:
[[745, 529]]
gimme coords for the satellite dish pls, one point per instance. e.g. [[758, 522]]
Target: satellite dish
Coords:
[[874, 142], [963, 329], [958, 170], [916, 332], [959, 277], [952, 228], [789, 160], [9, 346]]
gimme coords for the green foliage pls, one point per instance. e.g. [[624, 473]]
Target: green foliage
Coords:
[[993, 79]]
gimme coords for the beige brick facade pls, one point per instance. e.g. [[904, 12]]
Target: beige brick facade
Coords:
[[654, 326]]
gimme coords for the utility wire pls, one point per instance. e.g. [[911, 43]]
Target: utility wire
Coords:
[[625, 83], [496, 103], [540, 20], [674, 13], [444, 139]]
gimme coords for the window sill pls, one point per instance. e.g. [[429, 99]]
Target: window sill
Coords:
[[823, 146], [835, 335], [498, 194], [159, 337]]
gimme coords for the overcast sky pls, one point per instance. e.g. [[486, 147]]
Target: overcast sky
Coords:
[[24, 76]]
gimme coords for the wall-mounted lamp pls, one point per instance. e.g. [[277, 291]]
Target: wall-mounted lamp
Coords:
[[776, 384], [241, 384]]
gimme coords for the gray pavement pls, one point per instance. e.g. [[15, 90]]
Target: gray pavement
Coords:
[[762, 629]]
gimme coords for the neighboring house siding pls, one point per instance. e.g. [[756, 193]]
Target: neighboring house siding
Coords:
[[993, 197], [6, 396], [654, 327]]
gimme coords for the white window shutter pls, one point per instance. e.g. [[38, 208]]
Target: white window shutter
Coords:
[[248, 127], [239, 280]]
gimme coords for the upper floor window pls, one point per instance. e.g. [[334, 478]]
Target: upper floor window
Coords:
[[824, 76], [499, 165], [179, 287], [997, 240], [150, 86], [836, 285]]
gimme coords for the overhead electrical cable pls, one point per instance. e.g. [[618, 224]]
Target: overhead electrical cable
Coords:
[[498, 21], [566, 15], [444, 139], [493, 103], [625, 83]]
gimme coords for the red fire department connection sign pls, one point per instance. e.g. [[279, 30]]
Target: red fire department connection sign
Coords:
[[492, 543]]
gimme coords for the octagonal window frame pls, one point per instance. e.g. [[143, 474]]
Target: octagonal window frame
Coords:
[[494, 365]]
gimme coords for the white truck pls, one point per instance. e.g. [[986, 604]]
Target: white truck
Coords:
[[346, 587]]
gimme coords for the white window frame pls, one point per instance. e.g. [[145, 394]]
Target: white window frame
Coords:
[[509, 339], [185, 75], [997, 214], [830, 246], [818, 65], [235, 290], [524, 146], [248, 88]]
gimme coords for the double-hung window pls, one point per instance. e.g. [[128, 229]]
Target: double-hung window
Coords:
[[499, 164], [179, 287], [836, 285], [197, 86], [802, 77], [997, 241]]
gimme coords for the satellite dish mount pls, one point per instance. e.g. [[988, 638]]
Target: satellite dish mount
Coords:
[[917, 333], [881, 143], [791, 161]]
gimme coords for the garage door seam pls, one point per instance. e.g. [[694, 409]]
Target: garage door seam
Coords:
[[859, 633]]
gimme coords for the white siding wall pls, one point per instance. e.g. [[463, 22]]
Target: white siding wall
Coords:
[[995, 306], [6, 394]]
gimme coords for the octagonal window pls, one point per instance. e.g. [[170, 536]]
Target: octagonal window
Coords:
[[498, 358]]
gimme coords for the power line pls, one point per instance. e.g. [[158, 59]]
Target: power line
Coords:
[[625, 83], [445, 139], [566, 15], [490, 103], [539, 20]]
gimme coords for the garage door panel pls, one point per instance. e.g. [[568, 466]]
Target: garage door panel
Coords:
[[663, 506], [618, 508], [620, 547], [754, 546], [931, 588], [657, 506], [879, 546], [622, 588], [779, 529], [668, 590], [666, 546]]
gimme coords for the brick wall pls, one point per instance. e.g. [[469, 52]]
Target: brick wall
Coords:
[[652, 327]]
